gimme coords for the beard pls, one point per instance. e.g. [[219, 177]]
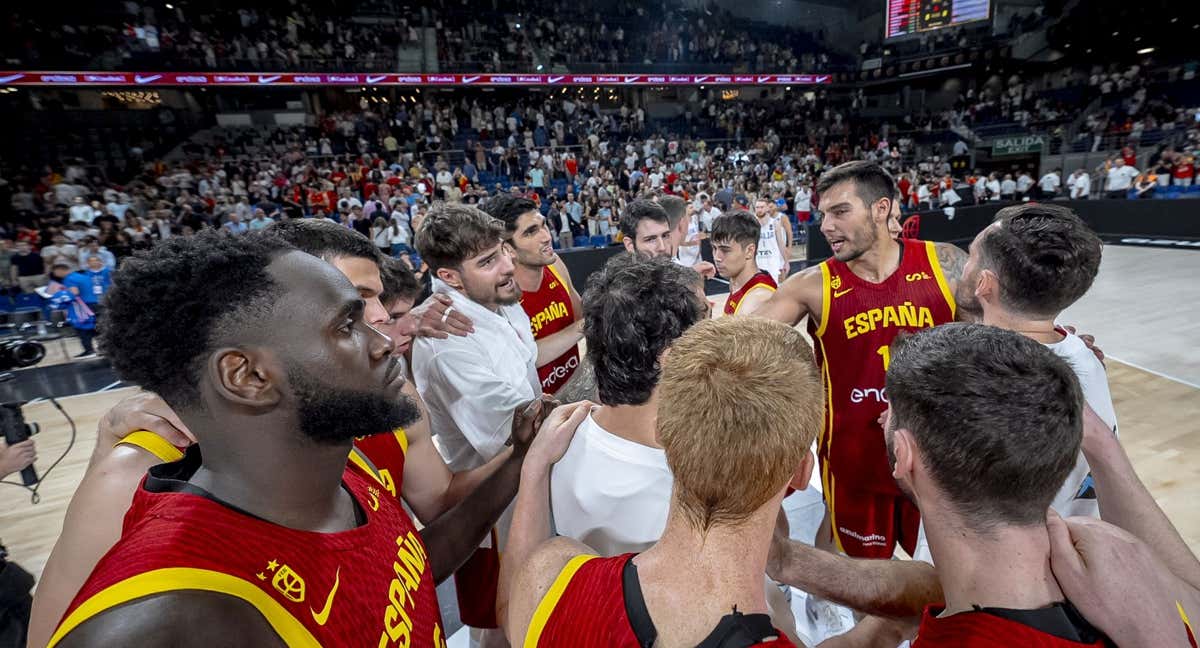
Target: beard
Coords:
[[964, 297], [331, 415]]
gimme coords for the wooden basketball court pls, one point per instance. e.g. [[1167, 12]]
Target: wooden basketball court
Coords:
[[1158, 415]]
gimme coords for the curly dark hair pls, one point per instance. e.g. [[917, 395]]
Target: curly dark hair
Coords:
[[325, 239], [399, 282], [633, 309], [508, 208], [171, 305]]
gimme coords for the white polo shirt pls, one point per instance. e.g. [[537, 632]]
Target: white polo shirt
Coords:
[[610, 493], [472, 384]]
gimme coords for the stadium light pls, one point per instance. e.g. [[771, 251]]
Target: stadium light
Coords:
[[170, 6], [1146, 50]]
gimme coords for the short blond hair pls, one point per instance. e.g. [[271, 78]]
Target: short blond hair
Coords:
[[739, 406]]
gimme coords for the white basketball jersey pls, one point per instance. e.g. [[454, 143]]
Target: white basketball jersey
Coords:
[[770, 257]]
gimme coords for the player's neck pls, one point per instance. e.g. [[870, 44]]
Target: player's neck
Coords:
[[692, 579], [278, 476], [747, 273], [1038, 329], [880, 262], [528, 277], [1007, 568], [630, 422]]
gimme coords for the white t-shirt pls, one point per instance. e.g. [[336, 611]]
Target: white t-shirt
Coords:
[[1077, 495], [1008, 187], [1050, 182], [690, 255], [707, 217], [803, 200], [1081, 186], [1024, 182], [770, 257], [1121, 178], [610, 493]]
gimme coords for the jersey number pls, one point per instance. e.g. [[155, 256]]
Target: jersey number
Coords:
[[886, 352]]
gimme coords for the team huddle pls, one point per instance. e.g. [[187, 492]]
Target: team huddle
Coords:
[[314, 451]]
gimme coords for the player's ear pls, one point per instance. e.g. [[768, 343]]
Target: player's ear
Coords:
[[246, 376], [629, 245], [803, 472], [988, 286], [451, 276], [903, 454]]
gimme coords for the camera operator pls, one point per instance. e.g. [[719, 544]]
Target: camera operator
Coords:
[[15, 582]]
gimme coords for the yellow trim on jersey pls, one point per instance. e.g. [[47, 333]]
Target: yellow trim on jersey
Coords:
[[546, 606], [356, 457], [557, 276], [152, 443], [402, 439], [173, 579], [931, 253], [737, 307], [827, 440], [824, 300], [1183, 615]]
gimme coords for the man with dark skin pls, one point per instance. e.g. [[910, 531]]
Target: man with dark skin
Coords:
[[296, 362], [94, 518]]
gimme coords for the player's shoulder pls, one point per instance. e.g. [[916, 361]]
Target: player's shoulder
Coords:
[[182, 618]]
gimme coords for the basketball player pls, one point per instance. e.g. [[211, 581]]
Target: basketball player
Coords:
[[241, 333], [773, 251], [1033, 262], [856, 302], [646, 229], [143, 431], [735, 237], [985, 426], [701, 583], [547, 293], [683, 226]]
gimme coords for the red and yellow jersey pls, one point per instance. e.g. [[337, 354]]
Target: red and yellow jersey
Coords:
[[586, 607], [986, 630], [385, 453], [550, 311], [762, 280], [1187, 624], [858, 323], [368, 586]]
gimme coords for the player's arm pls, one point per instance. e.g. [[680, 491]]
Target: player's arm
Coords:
[[896, 589], [785, 250], [552, 346], [531, 526], [180, 619], [754, 300], [873, 632], [97, 510], [576, 302], [952, 260], [794, 298], [1127, 503]]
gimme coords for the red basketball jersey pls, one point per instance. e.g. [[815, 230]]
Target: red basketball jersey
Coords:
[[385, 453], [984, 630], [550, 311], [858, 323], [760, 279], [585, 608], [367, 586]]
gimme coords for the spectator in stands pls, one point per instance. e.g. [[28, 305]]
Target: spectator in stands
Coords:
[[92, 247], [1184, 171], [234, 225], [1050, 183], [81, 212], [1024, 184], [260, 220], [1080, 184], [1145, 185], [1008, 188], [1119, 178], [994, 187], [28, 268], [61, 251]]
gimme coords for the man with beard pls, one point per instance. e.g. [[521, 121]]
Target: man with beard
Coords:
[[873, 288], [264, 353], [547, 294], [143, 431], [646, 228]]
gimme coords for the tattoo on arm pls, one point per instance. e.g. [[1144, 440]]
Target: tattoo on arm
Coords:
[[952, 259]]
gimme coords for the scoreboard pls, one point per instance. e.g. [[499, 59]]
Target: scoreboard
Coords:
[[906, 17]]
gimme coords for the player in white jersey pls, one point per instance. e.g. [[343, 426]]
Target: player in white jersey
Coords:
[[772, 241]]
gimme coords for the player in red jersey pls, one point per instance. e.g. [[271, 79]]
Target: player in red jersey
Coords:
[[985, 426], [143, 431], [735, 243], [547, 295], [701, 583], [240, 334], [856, 302]]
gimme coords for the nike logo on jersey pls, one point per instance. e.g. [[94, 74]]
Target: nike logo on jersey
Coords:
[[323, 616], [839, 293]]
